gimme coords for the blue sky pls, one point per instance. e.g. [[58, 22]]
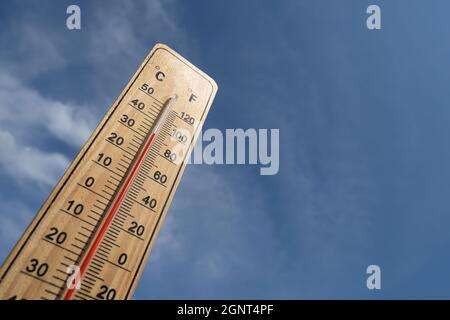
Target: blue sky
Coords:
[[363, 118]]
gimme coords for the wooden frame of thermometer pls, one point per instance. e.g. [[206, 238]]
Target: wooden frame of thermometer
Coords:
[[93, 235]]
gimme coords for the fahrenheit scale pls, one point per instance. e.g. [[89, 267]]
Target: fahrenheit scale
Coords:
[[93, 235]]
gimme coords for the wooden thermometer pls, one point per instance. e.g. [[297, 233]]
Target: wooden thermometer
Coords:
[[93, 235]]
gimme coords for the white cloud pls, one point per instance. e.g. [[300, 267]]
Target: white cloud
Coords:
[[24, 111], [24, 162], [26, 115], [122, 34], [121, 31]]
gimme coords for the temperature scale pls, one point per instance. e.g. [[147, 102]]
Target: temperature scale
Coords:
[[93, 235]]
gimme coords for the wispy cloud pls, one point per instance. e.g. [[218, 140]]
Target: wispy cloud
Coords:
[[24, 162], [122, 35], [27, 118], [24, 111]]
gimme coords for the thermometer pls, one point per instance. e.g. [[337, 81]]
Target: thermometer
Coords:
[[93, 235]]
